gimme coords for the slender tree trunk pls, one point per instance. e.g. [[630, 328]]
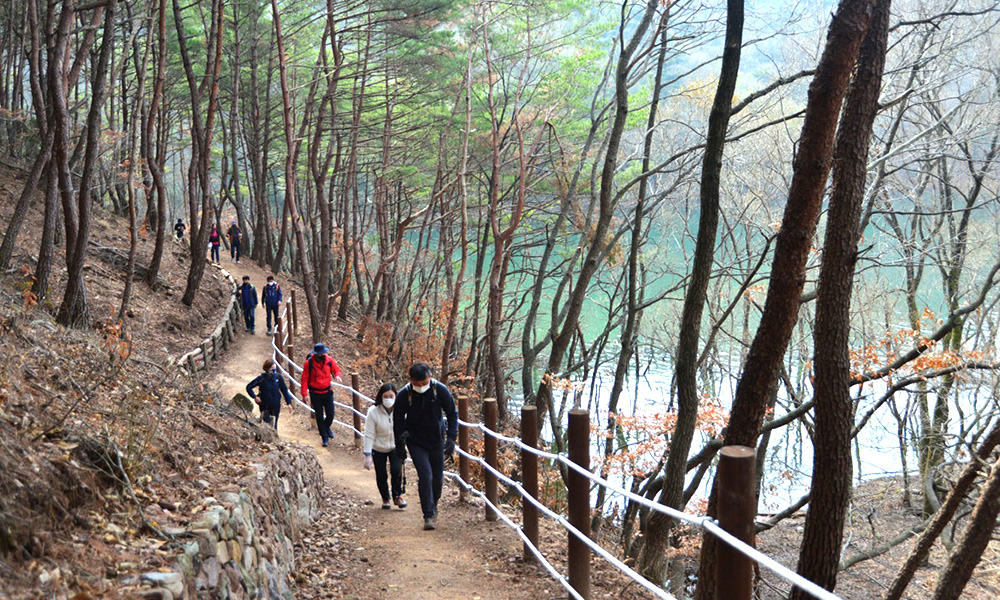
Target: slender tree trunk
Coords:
[[652, 558], [561, 343], [74, 310], [629, 336], [155, 157], [300, 242]]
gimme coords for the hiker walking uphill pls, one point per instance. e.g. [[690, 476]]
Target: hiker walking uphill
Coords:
[[179, 228], [214, 240], [380, 447], [418, 427], [235, 238], [318, 373], [272, 388], [248, 302], [272, 302]]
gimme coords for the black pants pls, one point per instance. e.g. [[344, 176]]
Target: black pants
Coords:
[[395, 469], [215, 253], [322, 403], [429, 463], [248, 317], [271, 414], [271, 310], [234, 251]]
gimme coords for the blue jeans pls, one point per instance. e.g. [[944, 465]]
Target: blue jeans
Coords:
[[215, 253], [395, 471], [429, 464], [234, 251], [322, 402], [248, 317]]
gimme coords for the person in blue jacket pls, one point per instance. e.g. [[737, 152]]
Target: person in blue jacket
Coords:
[[272, 387], [272, 302], [422, 406], [248, 302]]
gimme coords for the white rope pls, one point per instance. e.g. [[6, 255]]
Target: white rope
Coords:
[[597, 548], [705, 522], [559, 577]]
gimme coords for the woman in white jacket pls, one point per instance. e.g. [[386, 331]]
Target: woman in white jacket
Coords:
[[380, 444]]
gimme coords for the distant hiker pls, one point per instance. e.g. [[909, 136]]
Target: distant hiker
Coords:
[[272, 388], [418, 424], [179, 228], [235, 236], [271, 297], [318, 373], [380, 444], [248, 302], [214, 240]]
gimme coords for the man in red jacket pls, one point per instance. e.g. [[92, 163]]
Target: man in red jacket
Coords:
[[318, 373]]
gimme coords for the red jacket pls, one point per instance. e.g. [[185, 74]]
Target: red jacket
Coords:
[[318, 373]]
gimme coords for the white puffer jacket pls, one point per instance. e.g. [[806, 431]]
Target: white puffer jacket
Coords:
[[378, 430]]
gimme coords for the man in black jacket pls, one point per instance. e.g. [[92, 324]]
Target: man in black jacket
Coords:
[[417, 421]]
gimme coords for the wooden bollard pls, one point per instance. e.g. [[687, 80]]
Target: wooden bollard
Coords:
[[295, 314], [290, 351], [356, 403], [737, 506], [578, 494], [490, 452], [529, 478], [463, 443]]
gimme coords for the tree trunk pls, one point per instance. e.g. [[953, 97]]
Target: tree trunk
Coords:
[[978, 534], [74, 310], [652, 558], [794, 242], [819, 554]]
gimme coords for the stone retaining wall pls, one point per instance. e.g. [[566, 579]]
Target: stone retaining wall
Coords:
[[241, 544]]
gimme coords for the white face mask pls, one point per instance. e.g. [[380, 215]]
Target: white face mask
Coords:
[[420, 389], [388, 401]]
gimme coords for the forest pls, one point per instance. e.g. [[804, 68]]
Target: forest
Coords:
[[769, 224]]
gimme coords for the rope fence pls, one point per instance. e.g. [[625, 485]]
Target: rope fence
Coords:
[[727, 529]]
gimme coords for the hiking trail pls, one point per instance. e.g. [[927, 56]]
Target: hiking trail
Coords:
[[405, 562]]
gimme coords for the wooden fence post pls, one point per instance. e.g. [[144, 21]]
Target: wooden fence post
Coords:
[[529, 478], [295, 314], [356, 403], [490, 452], [463, 443], [737, 505], [578, 493], [204, 352]]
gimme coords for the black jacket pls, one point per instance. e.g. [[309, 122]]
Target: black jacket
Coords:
[[419, 416], [272, 388]]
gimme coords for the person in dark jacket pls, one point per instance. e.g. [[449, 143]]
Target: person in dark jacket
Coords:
[[179, 228], [272, 387], [271, 297], [214, 240], [318, 372], [235, 237], [417, 423], [248, 302]]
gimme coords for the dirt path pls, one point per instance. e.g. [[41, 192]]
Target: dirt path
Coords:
[[465, 558]]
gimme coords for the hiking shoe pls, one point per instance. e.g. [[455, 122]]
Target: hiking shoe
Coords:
[[429, 523], [325, 443], [386, 505], [399, 501]]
